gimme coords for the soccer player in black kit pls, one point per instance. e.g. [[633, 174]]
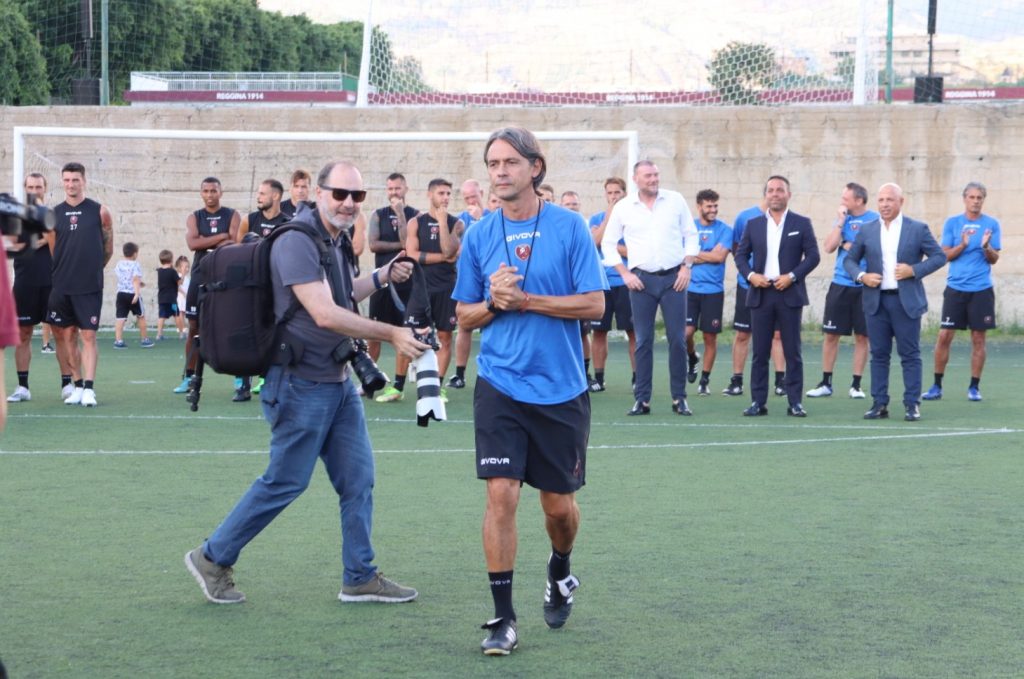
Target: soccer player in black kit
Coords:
[[268, 214], [82, 244], [212, 226]]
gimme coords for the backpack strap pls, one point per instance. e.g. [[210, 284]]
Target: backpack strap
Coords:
[[417, 309]]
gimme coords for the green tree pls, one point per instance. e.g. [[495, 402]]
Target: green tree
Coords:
[[740, 70], [55, 25], [23, 80]]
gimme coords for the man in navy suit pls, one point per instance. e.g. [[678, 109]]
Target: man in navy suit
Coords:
[[899, 252], [785, 252]]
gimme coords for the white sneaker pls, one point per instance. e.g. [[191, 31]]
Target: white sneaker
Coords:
[[20, 394], [75, 398], [66, 391], [820, 390], [857, 393], [89, 398]]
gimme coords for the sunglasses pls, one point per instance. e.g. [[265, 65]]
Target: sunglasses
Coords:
[[341, 195]]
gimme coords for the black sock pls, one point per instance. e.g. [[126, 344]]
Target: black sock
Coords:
[[826, 379], [599, 375], [65, 380], [694, 357], [78, 383], [558, 564], [780, 376], [23, 378], [705, 376], [189, 374], [246, 382], [975, 381], [460, 372], [501, 591], [399, 382], [856, 382], [586, 365], [737, 378], [634, 377], [938, 380], [87, 384]]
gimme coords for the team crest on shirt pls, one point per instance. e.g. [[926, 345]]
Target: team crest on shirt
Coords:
[[213, 225], [435, 229], [705, 236], [855, 226], [74, 219], [523, 252], [971, 230]]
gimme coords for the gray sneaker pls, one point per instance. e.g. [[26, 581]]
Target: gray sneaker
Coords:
[[379, 589], [216, 581]]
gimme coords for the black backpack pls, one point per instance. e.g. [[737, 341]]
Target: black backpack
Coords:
[[237, 329]]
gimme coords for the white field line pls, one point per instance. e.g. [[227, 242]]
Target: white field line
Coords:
[[628, 446]]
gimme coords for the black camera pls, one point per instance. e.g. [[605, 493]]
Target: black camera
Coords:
[[353, 351], [26, 222]]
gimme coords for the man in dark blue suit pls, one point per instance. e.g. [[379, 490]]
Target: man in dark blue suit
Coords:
[[784, 253], [898, 252]]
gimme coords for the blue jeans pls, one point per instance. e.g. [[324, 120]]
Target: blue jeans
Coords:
[[308, 420], [658, 292]]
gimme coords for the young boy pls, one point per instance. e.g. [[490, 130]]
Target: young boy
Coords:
[[167, 280], [181, 265], [129, 296]]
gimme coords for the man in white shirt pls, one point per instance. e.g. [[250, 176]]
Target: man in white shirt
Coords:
[[662, 242]]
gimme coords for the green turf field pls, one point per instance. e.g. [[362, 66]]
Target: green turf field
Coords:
[[711, 546]]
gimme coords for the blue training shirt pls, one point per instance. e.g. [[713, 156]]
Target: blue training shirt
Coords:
[[531, 357], [467, 219], [613, 275], [970, 272], [851, 227], [709, 278], [738, 227]]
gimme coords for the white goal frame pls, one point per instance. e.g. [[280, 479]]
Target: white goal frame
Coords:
[[630, 137]]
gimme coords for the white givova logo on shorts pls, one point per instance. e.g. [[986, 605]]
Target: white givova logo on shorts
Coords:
[[495, 460]]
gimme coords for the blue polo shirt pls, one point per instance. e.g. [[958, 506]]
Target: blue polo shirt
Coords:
[[970, 272], [709, 278], [738, 227], [613, 275], [851, 227], [530, 357], [467, 219]]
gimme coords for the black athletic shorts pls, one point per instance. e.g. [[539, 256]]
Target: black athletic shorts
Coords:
[[383, 309], [844, 311], [442, 310], [80, 311], [741, 315], [542, 445], [123, 305], [704, 311], [167, 309], [617, 306], [31, 302], [974, 310]]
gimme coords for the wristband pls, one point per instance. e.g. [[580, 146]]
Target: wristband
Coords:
[[376, 280], [423, 258], [491, 309]]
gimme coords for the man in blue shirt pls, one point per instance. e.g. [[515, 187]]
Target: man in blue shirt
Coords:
[[474, 212], [616, 298], [706, 294], [844, 311], [528, 274], [972, 242]]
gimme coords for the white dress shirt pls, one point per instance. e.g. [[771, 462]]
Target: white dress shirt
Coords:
[[775, 231], [890, 244], [656, 238]]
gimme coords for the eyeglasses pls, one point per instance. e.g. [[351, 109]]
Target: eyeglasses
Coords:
[[341, 195]]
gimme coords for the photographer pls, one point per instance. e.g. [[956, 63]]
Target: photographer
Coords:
[[310, 401]]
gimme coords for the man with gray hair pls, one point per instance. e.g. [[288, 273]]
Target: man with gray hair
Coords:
[[972, 242], [310, 400], [662, 242], [889, 258], [528, 275]]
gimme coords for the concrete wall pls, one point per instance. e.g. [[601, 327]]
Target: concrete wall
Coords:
[[932, 151]]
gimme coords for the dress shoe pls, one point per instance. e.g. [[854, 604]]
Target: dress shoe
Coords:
[[680, 407], [796, 411], [755, 410], [913, 413], [878, 412], [639, 408]]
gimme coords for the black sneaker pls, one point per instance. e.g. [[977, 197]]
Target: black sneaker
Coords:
[[558, 600], [242, 394], [691, 373], [681, 407], [780, 389], [703, 389], [457, 382], [639, 408], [593, 385], [734, 389], [502, 639]]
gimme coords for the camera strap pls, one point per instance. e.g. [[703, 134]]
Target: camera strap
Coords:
[[416, 309]]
